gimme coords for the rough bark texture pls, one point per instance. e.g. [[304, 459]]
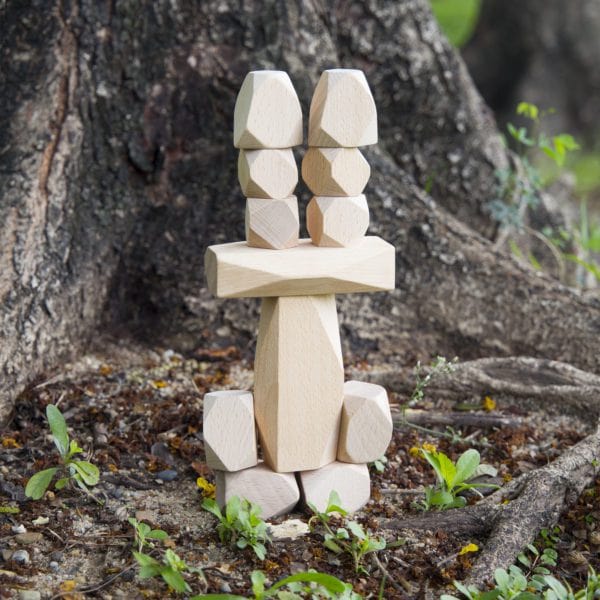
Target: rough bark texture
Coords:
[[539, 52], [118, 170]]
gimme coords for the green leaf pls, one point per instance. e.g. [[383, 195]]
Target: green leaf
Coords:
[[211, 506], [38, 483], [334, 504], [61, 483], [157, 534], [258, 579], [233, 508], [87, 471], [174, 579], [528, 110], [144, 560], [329, 582], [448, 470], [217, 597], [331, 545], [58, 427], [465, 466], [148, 571], [357, 530], [432, 459]]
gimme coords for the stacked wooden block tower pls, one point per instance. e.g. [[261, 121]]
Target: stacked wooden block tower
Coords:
[[316, 432]]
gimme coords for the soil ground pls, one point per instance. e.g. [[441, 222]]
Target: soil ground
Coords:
[[139, 415]]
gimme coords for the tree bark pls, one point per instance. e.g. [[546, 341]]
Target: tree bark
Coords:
[[118, 170]]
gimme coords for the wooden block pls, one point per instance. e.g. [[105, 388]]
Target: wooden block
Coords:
[[337, 222], [335, 171], [342, 111], [272, 224], [366, 428], [351, 482], [229, 431], [267, 112], [298, 382], [275, 493], [267, 173], [238, 271]]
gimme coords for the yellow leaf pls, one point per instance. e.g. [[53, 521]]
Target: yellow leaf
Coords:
[[429, 447], [489, 403], [159, 383], [68, 585], [8, 442], [468, 548], [208, 489]]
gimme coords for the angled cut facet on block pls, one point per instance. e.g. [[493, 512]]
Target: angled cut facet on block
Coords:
[[267, 173], [337, 222], [366, 428], [272, 224], [299, 379], [342, 111], [351, 482], [267, 112], [335, 171], [229, 431], [275, 493], [238, 271]]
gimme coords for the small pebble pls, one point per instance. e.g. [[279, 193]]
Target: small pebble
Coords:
[[289, 530], [21, 557], [18, 528], [54, 566], [29, 595], [6, 554], [29, 537], [41, 521], [167, 475], [225, 588]]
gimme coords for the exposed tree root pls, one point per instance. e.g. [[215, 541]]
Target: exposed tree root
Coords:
[[454, 419], [535, 501]]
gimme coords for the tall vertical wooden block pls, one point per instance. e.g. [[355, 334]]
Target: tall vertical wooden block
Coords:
[[299, 380]]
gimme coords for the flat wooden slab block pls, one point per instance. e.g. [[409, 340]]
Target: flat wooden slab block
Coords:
[[237, 270]]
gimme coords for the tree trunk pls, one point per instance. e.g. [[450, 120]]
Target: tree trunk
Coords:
[[118, 170]]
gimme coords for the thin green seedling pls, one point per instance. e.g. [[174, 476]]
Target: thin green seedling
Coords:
[[79, 472], [143, 534], [309, 584], [350, 538], [171, 569], [240, 525], [453, 478]]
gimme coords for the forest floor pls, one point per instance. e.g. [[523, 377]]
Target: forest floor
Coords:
[[139, 414]]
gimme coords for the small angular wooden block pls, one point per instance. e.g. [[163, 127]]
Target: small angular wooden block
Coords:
[[275, 493], [366, 428], [229, 431], [337, 222], [299, 380], [342, 111], [267, 112], [267, 173], [238, 271], [351, 482], [335, 171], [273, 224]]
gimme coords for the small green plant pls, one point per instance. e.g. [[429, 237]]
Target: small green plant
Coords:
[[298, 586], [350, 539], [170, 569], [439, 366], [379, 464], [143, 533], [452, 479], [81, 472], [514, 584], [241, 525]]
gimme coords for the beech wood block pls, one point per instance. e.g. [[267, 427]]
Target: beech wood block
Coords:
[[342, 111], [236, 270], [298, 382], [351, 482], [337, 222], [267, 173], [366, 428], [335, 171], [275, 493], [267, 112], [229, 431], [272, 224]]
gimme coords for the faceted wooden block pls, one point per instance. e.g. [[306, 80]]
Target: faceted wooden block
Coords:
[[337, 222], [236, 270], [275, 493], [267, 112], [366, 428], [351, 482], [335, 171], [229, 431], [267, 173], [342, 111], [299, 380], [272, 224]]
